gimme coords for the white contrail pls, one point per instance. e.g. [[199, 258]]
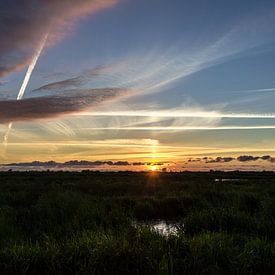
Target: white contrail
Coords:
[[176, 114], [31, 67], [255, 91], [26, 80], [184, 128]]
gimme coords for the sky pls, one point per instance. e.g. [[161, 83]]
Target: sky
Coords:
[[132, 84]]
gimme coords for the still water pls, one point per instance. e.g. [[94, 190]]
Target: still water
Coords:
[[162, 227], [222, 180]]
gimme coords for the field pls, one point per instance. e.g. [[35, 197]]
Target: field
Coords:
[[101, 223]]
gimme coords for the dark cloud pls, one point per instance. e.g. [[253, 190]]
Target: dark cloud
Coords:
[[23, 23], [219, 159], [59, 85], [93, 163], [147, 163], [121, 163], [195, 160], [71, 163], [54, 106], [138, 163], [267, 157], [254, 158], [247, 158], [243, 158], [73, 82], [77, 163]]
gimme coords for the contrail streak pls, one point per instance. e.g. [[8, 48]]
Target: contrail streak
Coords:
[[176, 114], [255, 91], [26, 80], [184, 128]]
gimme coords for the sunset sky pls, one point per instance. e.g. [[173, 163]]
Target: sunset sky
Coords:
[[182, 84]]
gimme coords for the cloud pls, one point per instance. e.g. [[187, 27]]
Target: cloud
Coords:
[[267, 157], [255, 90], [247, 158], [79, 163], [147, 163], [179, 113], [154, 69], [197, 159], [187, 128], [93, 163], [24, 22], [219, 160], [67, 164], [73, 82], [55, 106], [244, 158], [254, 158], [2, 82], [138, 163]]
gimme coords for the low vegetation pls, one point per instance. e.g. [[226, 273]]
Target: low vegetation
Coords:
[[88, 223]]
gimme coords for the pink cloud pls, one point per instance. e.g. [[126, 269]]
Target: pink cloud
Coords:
[[23, 23]]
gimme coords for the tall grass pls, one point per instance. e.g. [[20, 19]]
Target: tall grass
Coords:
[[82, 223]]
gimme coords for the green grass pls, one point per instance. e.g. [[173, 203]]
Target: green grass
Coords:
[[82, 223]]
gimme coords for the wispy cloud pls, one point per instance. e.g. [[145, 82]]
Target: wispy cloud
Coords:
[[71, 83], [130, 143], [23, 23], [152, 71]]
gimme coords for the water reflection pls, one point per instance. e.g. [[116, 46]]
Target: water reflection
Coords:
[[222, 180], [162, 227]]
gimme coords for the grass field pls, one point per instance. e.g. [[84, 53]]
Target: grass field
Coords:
[[95, 223]]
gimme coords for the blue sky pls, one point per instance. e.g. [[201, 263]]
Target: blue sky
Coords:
[[177, 57]]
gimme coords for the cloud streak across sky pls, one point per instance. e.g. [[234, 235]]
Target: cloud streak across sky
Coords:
[[176, 114], [156, 69], [188, 128], [55, 106]]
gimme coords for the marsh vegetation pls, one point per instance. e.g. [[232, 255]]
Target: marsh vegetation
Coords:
[[103, 223]]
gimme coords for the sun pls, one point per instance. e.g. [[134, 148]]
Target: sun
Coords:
[[153, 168]]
